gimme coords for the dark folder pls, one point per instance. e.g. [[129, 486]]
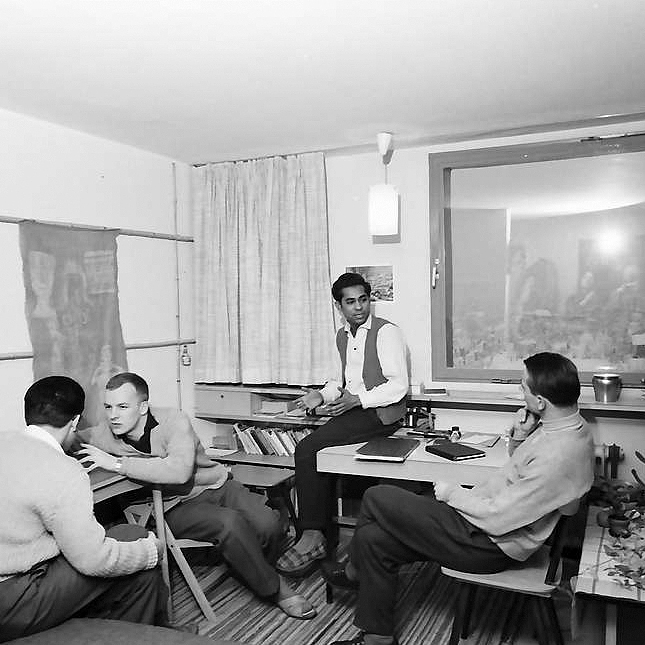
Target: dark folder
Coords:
[[455, 451], [386, 449]]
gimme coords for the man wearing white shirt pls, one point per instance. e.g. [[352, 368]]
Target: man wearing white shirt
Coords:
[[366, 400]]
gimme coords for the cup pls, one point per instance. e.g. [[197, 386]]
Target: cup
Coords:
[[606, 387]]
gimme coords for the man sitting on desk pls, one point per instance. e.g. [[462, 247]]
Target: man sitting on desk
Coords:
[[483, 529], [368, 400], [56, 560], [164, 449]]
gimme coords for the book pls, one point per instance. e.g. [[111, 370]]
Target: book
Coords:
[[455, 451], [386, 449]]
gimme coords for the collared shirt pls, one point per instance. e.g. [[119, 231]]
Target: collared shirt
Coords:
[[391, 352], [38, 433], [142, 444]]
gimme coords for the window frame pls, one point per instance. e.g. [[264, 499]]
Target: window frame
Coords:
[[440, 165]]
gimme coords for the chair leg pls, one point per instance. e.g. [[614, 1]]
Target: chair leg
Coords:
[[538, 621], [285, 493], [459, 612], [329, 593], [468, 610], [162, 533], [548, 605], [189, 577]]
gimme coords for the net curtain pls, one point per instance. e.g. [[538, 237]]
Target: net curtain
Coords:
[[264, 309]]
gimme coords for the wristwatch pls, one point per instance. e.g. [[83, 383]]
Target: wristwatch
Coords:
[[119, 465]]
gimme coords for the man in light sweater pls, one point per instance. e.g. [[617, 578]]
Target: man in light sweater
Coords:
[[56, 560], [366, 399], [159, 446], [483, 529]]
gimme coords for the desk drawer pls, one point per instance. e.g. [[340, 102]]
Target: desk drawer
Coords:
[[222, 402]]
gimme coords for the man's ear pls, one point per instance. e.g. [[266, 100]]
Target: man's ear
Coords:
[[74, 423], [541, 401], [144, 406]]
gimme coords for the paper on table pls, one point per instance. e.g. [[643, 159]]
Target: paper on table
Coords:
[[479, 439], [219, 452]]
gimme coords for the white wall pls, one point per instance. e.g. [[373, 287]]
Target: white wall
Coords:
[[52, 173], [348, 179]]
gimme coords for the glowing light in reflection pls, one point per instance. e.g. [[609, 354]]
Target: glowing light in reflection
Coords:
[[610, 242]]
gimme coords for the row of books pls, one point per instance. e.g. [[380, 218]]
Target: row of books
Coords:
[[255, 440]]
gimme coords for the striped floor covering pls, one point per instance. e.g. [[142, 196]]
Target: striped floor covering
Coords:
[[423, 611]]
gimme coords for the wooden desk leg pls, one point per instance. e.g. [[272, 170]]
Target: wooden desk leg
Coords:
[[157, 505], [611, 623]]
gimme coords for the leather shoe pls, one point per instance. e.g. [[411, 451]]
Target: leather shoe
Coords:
[[334, 573]]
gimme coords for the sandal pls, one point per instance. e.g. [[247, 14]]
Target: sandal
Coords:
[[293, 606]]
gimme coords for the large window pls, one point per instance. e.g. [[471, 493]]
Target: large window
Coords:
[[539, 247]]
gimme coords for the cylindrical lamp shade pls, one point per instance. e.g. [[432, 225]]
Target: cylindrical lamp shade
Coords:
[[383, 210]]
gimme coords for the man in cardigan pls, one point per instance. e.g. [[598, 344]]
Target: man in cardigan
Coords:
[[483, 529], [164, 449], [367, 400], [56, 560]]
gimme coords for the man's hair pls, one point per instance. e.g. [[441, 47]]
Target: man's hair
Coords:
[[554, 377], [349, 280], [135, 380], [53, 401]]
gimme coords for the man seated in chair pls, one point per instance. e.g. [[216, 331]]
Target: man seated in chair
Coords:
[[164, 449], [56, 560], [483, 529]]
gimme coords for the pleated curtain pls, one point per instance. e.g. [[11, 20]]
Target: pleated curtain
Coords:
[[264, 310]]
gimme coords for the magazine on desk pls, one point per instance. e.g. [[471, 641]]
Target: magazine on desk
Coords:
[[386, 449]]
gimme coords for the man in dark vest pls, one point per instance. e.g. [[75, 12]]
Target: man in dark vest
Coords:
[[367, 400]]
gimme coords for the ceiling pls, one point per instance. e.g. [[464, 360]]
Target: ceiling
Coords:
[[209, 80]]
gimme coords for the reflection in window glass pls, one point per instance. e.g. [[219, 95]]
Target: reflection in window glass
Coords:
[[548, 256]]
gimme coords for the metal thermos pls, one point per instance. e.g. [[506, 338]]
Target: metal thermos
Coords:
[[606, 387]]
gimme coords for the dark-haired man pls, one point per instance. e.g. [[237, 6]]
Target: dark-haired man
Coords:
[[162, 448], [483, 529], [56, 560], [366, 400]]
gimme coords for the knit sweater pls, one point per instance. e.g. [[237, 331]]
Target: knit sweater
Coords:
[[46, 507], [519, 506], [177, 457]]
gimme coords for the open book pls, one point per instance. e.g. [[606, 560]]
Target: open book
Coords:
[[386, 449]]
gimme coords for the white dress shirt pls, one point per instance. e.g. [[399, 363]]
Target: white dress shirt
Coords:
[[391, 351]]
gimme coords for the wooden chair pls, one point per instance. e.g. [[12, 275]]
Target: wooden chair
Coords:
[[273, 481], [140, 514], [536, 579]]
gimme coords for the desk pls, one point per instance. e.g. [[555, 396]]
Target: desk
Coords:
[[595, 565], [419, 466], [106, 484]]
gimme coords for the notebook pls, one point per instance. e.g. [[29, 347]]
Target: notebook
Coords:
[[386, 449], [455, 451]]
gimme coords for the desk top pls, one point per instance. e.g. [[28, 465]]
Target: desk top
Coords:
[[106, 484], [419, 466], [599, 570]]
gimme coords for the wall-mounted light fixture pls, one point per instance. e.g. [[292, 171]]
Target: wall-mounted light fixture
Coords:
[[383, 198]]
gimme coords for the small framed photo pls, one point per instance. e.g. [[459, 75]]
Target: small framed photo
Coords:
[[380, 277]]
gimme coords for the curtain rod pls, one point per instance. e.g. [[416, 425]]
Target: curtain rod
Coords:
[[16, 356], [428, 140], [7, 219]]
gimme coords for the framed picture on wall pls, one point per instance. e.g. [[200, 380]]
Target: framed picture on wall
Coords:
[[381, 279]]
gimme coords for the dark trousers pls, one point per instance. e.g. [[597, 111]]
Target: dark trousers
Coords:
[[396, 526], [314, 488], [53, 591], [247, 533]]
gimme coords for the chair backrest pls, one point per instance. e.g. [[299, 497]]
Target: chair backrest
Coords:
[[558, 539]]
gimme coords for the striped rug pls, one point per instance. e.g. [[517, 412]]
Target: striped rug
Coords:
[[424, 611]]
